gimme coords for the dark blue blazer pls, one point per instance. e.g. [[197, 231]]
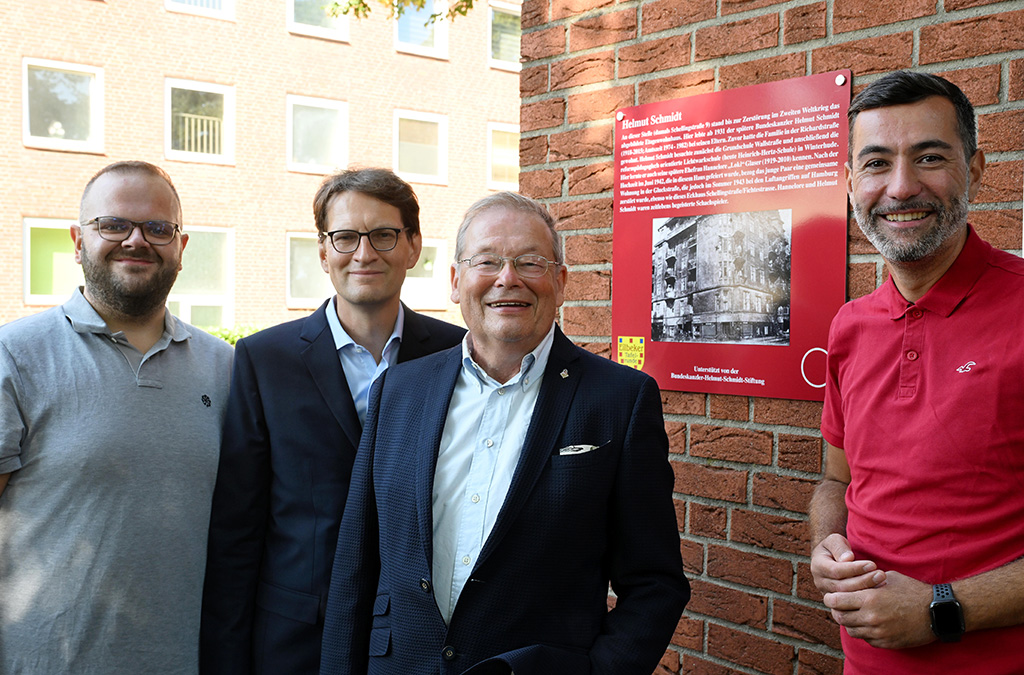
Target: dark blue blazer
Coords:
[[290, 437], [536, 601]]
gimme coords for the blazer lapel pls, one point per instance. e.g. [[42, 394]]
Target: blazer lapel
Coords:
[[426, 444], [321, 358], [414, 335], [549, 414]]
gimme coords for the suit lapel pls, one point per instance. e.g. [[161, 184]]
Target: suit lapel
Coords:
[[427, 443], [414, 336], [321, 358], [557, 391]]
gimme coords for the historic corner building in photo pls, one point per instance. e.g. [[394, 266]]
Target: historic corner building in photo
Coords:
[[721, 278], [248, 106]]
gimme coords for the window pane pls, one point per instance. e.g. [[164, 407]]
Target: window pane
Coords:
[[505, 36], [426, 265], [413, 28], [307, 278], [316, 135], [52, 266], [314, 13], [417, 147], [206, 316], [197, 120], [204, 265], [504, 156], [59, 105]]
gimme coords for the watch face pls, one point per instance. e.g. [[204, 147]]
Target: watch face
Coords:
[[946, 618]]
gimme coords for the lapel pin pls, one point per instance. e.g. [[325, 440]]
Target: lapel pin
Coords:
[[564, 374]]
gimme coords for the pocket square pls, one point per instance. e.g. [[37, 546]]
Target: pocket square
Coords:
[[577, 449]]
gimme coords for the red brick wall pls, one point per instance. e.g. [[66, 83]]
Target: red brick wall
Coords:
[[745, 467]]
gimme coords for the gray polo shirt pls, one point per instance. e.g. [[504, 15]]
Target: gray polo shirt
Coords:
[[103, 523]]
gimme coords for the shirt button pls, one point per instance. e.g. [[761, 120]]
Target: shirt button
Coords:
[[475, 499], [489, 443], [448, 653], [912, 355], [425, 585], [916, 314], [465, 560], [501, 392]]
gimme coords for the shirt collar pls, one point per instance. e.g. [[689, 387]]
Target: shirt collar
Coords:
[[536, 361], [950, 290], [85, 319], [343, 339]]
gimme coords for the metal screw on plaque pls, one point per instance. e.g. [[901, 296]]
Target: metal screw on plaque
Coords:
[[840, 80], [619, 115]]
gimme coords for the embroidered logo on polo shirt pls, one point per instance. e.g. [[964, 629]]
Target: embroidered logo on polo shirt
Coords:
[[206, 400], [966, 368]]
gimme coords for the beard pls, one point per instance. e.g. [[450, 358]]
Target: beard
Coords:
[[129, 296], [948, 221]]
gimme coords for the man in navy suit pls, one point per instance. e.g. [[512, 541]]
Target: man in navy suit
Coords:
[[298, 398], [502, 485]]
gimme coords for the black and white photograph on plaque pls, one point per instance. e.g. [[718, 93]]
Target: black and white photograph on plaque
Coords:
[[722, 278]]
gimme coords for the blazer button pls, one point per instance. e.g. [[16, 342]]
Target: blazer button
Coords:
[[448, 653], [425, 585]]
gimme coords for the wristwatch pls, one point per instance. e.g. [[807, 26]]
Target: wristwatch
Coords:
[[947, 614]]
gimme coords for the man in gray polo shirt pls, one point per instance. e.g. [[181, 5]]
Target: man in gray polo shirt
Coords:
[[110, 417]]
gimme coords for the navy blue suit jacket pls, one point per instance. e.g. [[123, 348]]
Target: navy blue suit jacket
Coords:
[[290, 438], [536, 601]]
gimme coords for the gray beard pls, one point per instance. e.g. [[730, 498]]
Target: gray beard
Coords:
[[127, 300], [948, 221]]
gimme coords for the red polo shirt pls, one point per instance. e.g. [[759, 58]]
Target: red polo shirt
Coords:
[[927, 400]]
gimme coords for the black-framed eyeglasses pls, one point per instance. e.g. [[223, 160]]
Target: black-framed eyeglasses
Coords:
[[528, 265], [155, 232], [347, 241]]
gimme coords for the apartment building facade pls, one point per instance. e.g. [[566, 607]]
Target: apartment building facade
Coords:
[[247, 106]]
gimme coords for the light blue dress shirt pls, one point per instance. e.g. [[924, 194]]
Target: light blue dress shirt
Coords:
[[480, 447], [361, 371]]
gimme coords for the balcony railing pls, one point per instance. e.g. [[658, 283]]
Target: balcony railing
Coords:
[[198, 133]]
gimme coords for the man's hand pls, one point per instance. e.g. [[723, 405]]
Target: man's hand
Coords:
[[835, 570], [893, 615]]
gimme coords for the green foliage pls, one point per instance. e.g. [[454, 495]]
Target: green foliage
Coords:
[[361, 8], [233, 334]]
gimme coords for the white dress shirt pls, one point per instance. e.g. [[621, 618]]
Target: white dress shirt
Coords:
[[361, 371], [480, 447]]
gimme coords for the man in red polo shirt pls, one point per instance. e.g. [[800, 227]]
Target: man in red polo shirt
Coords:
[[918, 524]]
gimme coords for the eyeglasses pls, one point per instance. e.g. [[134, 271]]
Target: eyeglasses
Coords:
[[347, 241], [155, 232], [528, 265]]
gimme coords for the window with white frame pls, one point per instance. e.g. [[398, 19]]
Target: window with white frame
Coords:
[[503, 156], [310, 17], [317, 134], [427, 283], [199, 121], [62, 106], [417, 33], [308, 284], [50, 272], [505, 36], [421, 146], [203, 293], [217, 9]]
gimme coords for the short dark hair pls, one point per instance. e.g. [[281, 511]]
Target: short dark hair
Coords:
[[514, 202], [904, 86], [381, 184], [133, 166]]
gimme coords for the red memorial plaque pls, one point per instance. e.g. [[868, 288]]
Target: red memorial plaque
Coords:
[[730, 237]]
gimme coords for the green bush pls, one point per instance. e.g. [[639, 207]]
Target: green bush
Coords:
[[233, 334]]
